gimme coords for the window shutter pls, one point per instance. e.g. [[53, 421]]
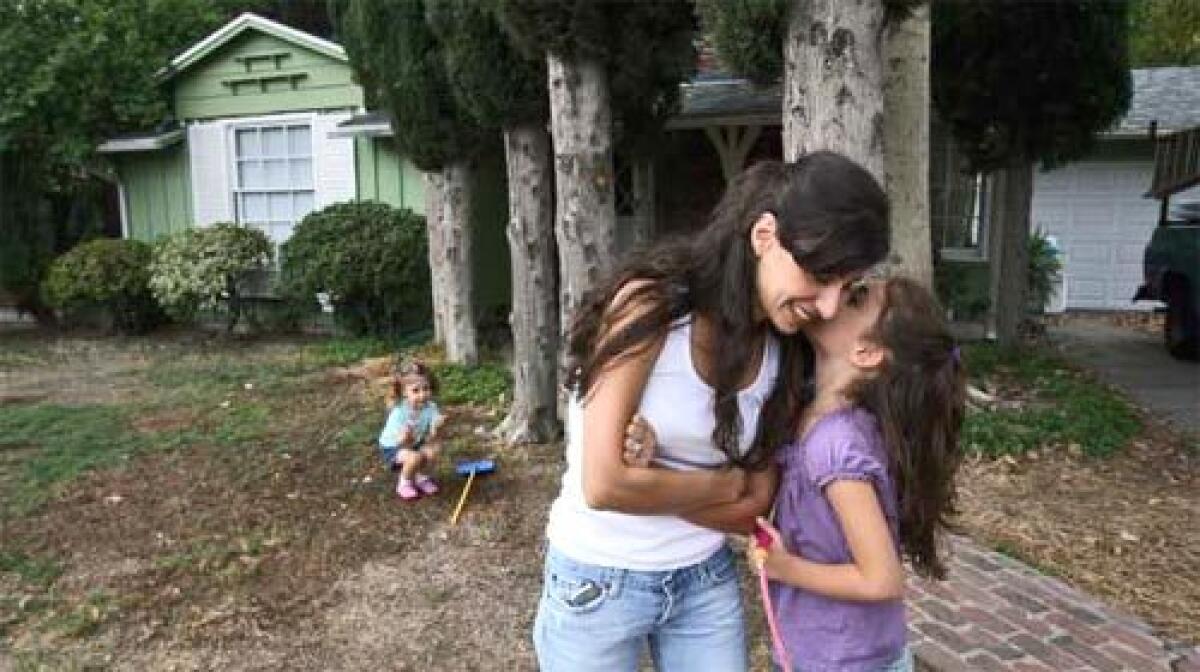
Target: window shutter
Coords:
[[209, 163], [333, 161]]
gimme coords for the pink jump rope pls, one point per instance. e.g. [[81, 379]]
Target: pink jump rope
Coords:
[[762, 542]]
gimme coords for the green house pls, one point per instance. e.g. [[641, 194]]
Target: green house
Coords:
[[265, 130]]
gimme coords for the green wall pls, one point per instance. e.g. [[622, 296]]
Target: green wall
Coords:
[[225, 84], [383, 175], [158, 197]]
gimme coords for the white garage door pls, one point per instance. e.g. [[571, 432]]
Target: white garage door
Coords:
[[1097, 212]]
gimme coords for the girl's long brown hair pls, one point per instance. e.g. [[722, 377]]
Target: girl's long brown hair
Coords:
[[831, 215], [919, 398]]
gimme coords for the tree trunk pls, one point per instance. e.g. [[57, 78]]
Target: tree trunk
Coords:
[[533, 416], [1008, 249], [585, 222], [906, 136], [434, 193], [833, 81], [457, 271]]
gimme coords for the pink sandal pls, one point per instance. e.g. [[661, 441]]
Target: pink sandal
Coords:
[[427, 485], [407, 492]]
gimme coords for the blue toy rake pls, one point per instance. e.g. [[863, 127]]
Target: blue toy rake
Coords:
[[469, 469]]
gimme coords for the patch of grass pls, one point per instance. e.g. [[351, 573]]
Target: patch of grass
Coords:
[[486, 384], [37, 571], [60, 443], [343, 351], [1064, 407], [85, 618]]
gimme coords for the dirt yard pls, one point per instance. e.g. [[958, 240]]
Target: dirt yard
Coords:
[[239, 519]]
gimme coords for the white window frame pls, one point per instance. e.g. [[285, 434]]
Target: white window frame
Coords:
[[979, 226], [232, 160]]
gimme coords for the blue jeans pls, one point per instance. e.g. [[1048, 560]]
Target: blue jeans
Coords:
[[601, 618]]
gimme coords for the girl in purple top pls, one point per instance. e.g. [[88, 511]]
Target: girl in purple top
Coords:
[[870, 476]]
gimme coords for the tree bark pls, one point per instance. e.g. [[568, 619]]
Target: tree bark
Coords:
[[433, 223], [457, 271], [906, 136], [585, 222], [533, 416], [833, 81], [1008, 249]]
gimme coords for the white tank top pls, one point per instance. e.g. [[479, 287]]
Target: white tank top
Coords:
[[678, 404]]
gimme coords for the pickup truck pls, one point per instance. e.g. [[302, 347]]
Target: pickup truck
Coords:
[[1171, 266]]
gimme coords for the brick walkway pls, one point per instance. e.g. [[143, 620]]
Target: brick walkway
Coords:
[[995, 613]]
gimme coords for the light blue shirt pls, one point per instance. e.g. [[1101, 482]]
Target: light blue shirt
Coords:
[[401, 415]]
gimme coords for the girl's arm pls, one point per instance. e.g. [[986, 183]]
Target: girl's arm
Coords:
[[608, 482], [876, 574], [738, 517]]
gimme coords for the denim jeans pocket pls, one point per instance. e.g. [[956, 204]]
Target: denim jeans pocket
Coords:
[[575, 592]]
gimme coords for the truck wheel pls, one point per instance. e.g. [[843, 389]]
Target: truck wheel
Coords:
[[1180, 331]]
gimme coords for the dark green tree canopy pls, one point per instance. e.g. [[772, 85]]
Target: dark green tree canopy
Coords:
[[1164, 33], [748, 35], [491, 80], [1029, 80], [397, 59], [647, 48]]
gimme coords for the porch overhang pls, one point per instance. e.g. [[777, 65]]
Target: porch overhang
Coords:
[[369, 125], [141, 142]]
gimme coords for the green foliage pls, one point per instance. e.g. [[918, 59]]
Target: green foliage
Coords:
[[1029, 81], [373, 260], [108, 275], [646, 47], [1044, 270], [398, 61], [748, 35], [491, 81], [1064, 407], [963, 288], [202, 269], [1164, 33], [487, 384]]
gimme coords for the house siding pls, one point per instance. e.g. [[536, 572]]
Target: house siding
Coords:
[[208, 89], [157, 190]]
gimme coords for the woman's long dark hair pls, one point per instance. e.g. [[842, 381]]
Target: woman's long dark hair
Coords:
[[831, 215], [919, 398]]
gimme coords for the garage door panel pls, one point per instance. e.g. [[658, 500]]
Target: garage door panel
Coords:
[[1097, 213]]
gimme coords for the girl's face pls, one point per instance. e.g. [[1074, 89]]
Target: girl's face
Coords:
[[847, 335], [789, 296], [416, 391]]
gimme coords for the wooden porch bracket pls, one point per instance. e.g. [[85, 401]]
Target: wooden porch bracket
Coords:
[[733, 144]]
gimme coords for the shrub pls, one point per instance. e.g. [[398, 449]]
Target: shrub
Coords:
[[107, 276], [205, 269], [370, 258], [1044, 270]]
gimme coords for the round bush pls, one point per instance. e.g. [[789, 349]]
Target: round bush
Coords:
[[370, 259], [108, 276], [201, 269]]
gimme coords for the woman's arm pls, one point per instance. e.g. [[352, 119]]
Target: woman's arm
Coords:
[[611, 484], [738, 517], [875, 575]]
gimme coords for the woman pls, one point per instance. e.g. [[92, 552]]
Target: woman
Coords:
[[685, 337]]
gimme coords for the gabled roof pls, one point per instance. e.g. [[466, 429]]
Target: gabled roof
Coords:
[[249, 21], [1169, 96]]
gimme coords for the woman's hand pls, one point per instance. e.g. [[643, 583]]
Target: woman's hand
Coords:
[[640, 443], [774, 559]]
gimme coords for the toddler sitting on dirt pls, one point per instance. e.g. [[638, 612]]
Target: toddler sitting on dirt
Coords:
[[408, 442]]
